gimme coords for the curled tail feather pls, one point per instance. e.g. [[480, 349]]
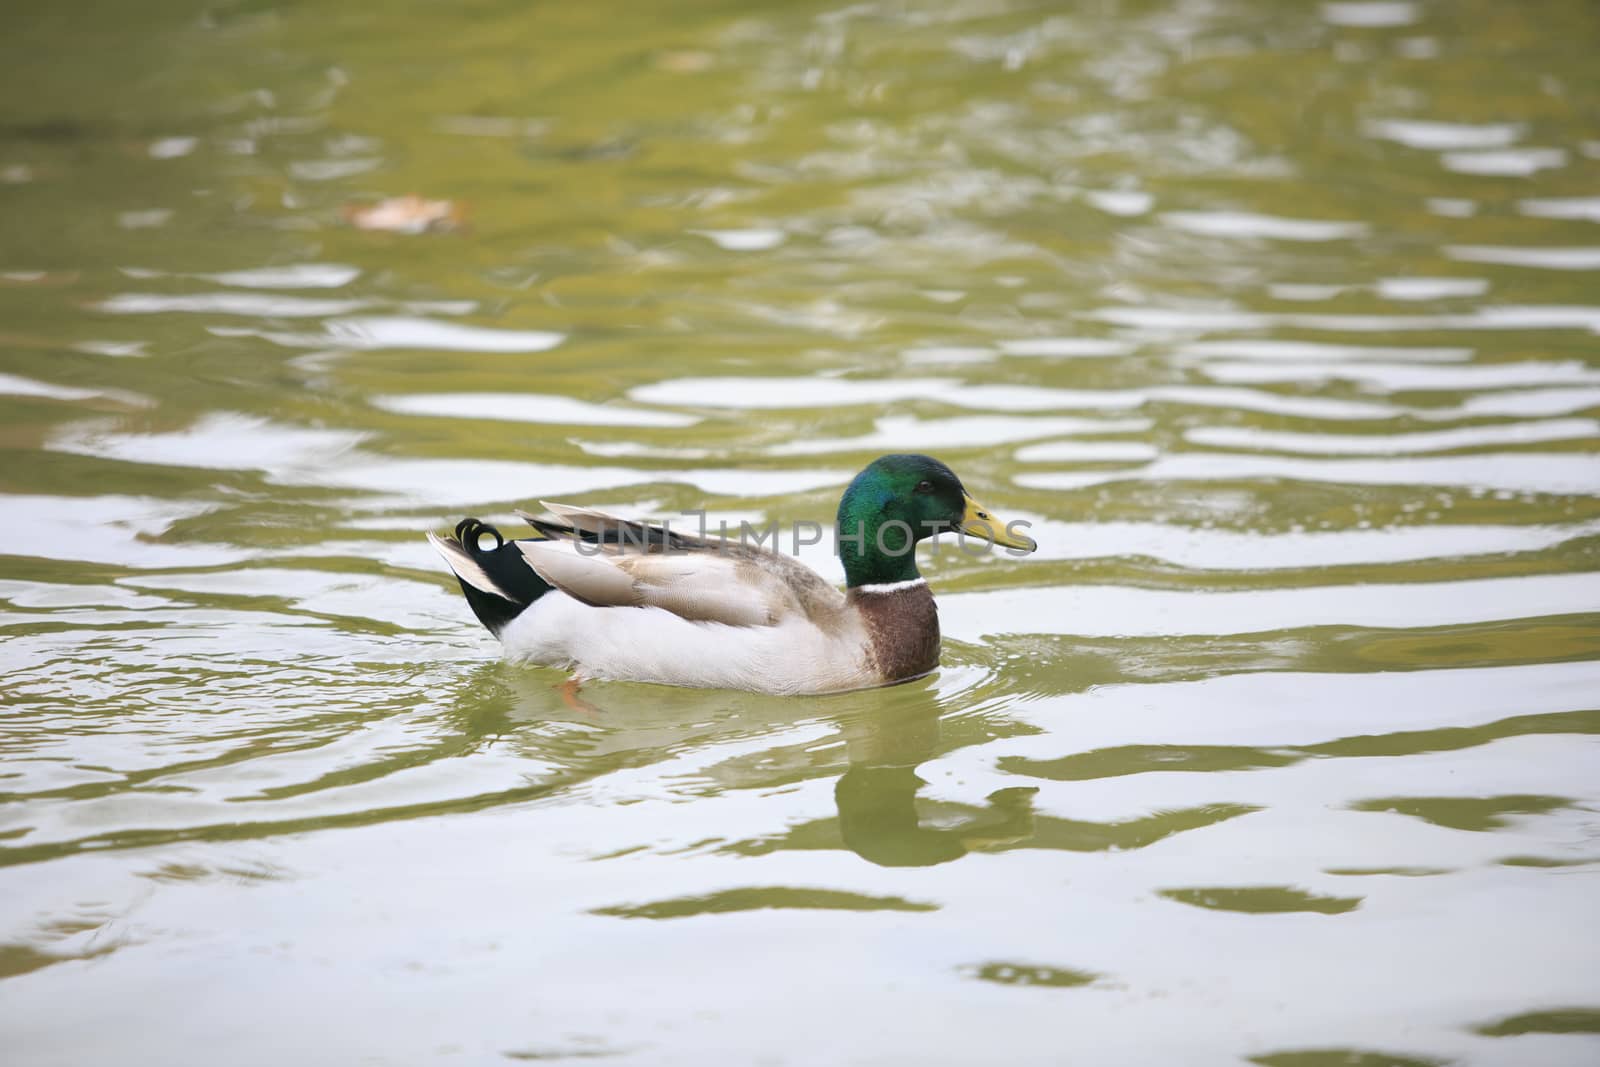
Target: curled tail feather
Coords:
[[497, 582]]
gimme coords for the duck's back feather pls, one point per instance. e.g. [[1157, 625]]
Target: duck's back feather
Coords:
[[607, 562], [599, 527]]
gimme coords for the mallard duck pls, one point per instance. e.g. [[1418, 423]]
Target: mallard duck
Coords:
[[617, 600]]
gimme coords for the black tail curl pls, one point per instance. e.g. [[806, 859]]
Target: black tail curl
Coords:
[[516, 584]]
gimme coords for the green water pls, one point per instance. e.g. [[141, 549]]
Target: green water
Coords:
[[1278, 321]]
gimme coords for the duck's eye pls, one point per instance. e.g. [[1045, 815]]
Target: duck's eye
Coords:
[[924, 486]]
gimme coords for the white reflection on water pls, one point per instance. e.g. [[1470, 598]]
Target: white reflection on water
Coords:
[[1308, 293], [754, 240], [1519, 472], [1088, 452], [1298, 708], [1562, 207], [290, 276], [252, 304], [1443, 136], [1066, 347], [1545, 258], [413, 605], [1244, 224], [1419, 289], [121, 530], [1370, 13], [1508, 163], [372, 333], [171, 147], [1312, 351], [1489, 317], [1393, 443], [224, 441], [24, 594], [823, 392], [456, 482], [1311, 407], [1530, 402], [1122, 202], [643, 451], [304, 456], [528, 407], [893, 433], [1122, 611], [777, 393], [114, 349], [14, 385], [1401, 377], [1244, 550]]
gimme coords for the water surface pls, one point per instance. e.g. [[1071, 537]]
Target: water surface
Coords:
[[1278, 321]]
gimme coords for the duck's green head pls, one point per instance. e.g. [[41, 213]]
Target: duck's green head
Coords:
[[900, 500]]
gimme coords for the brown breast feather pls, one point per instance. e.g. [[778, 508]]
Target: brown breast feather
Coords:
[[902, 630]]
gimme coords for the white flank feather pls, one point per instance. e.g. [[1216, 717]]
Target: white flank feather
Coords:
[[649, 644]]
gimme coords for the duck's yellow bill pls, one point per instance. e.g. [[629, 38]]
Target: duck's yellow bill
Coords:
[[979, 521]]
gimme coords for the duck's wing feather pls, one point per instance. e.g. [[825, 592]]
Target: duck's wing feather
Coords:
[[610, 562], [598, 527]]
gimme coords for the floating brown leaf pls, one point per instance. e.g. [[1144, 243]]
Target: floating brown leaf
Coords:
[[405, 214]]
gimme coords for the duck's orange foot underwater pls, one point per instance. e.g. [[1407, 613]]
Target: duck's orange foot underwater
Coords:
[[569, 696]]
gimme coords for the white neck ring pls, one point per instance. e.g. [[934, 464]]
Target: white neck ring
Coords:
[[890, 587]]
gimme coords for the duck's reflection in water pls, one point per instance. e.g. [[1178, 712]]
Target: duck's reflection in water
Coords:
[[880, 822], [880, 817], [874, 741], [887, 734]]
